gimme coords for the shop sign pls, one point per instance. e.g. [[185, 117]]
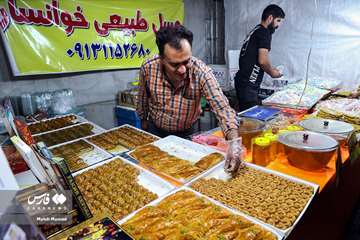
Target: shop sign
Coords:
[[57, 36]]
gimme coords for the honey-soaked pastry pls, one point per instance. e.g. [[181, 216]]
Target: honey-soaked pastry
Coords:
[[53, 124], [113, 188], [178, 168], [65, 135], [209, 160], [72, 154], [270, 198], [183, 215], [121, 139]]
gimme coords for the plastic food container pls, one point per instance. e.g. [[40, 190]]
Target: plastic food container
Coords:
[[261, 151], [294, 128], [250, 128], [308, 150], [274, 149]]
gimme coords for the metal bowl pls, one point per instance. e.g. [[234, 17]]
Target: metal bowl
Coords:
[[308, 150]]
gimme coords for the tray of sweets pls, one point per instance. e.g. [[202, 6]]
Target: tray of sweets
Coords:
[[273, 198], [55, 123], [176, 158], [98, 227], [121, 139], [187, 214], [119, 187], [296, 96], [79, 154], [67, 134]]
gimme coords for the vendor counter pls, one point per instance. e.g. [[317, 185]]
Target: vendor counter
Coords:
[[329, 213]]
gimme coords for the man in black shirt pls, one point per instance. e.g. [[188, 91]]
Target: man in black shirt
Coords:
[[254, 60]]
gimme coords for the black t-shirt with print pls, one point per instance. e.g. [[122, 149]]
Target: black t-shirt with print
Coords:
[[250, 73]]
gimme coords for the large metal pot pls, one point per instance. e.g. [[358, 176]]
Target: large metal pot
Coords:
[[250, 128], [336, 129], [308, 150]]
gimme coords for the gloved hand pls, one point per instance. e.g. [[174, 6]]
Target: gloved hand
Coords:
[[234, 156], [281, 69]]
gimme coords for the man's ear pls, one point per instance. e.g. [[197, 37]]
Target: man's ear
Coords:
[[269, 19]]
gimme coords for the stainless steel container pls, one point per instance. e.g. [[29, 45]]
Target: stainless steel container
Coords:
[[336, 129], [308, 150]]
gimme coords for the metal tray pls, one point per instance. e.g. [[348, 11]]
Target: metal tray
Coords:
[[121, 149], [96, 130], [146, 178], [89, 158], [184, 149], [200, 195], [78, 121], [219, 173]]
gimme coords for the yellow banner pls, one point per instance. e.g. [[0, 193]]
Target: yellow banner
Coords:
[[56, 36]]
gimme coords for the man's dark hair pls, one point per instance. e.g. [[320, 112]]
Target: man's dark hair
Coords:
[[273, 10], [172, 35]]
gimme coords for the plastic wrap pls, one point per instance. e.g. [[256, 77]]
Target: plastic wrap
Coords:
[[63, 101], [27, 104], [295, 96], [344, 109], [43, 101]]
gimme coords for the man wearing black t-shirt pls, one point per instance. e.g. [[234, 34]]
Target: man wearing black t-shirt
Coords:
[[254, 59]]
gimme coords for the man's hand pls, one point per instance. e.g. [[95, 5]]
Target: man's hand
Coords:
[[275, 73], [144, 124], [264, 62], [233, 159]]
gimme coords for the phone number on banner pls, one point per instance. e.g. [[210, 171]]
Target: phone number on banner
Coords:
[[94, 50]]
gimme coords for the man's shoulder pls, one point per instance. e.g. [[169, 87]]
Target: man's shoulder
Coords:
[[261, 30], [199, 65], [151, 61]]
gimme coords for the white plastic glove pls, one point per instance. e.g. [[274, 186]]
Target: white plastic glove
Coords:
[[281, 69], [234, 156]]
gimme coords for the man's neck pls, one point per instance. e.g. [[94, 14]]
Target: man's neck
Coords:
[[173, 83], [264, 24]]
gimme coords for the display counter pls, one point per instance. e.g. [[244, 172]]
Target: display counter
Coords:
[[339, 184], [134, 178]]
